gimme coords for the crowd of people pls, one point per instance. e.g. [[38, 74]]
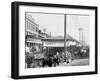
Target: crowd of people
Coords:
[[51, 57]]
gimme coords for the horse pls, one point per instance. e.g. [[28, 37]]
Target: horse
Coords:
[[50, 61], [47, 61]]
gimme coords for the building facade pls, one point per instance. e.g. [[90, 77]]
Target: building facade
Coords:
[[33, 34], [31, 27]]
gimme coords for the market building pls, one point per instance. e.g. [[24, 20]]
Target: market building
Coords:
[[56, 44], [58, 41]]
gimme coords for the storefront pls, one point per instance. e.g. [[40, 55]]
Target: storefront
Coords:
[[35, 45], [56, 45]]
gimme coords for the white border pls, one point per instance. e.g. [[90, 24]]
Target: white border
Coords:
[[38, 71]]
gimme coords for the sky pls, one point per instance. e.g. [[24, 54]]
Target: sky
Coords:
[[54, 23]]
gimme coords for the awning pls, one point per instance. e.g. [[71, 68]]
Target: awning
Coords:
[[35, 42], [57, 44]]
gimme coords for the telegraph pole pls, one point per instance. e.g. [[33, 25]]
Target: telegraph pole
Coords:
[[65, 48]]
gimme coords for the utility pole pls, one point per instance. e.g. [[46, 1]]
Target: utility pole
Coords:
[[65, 48]]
